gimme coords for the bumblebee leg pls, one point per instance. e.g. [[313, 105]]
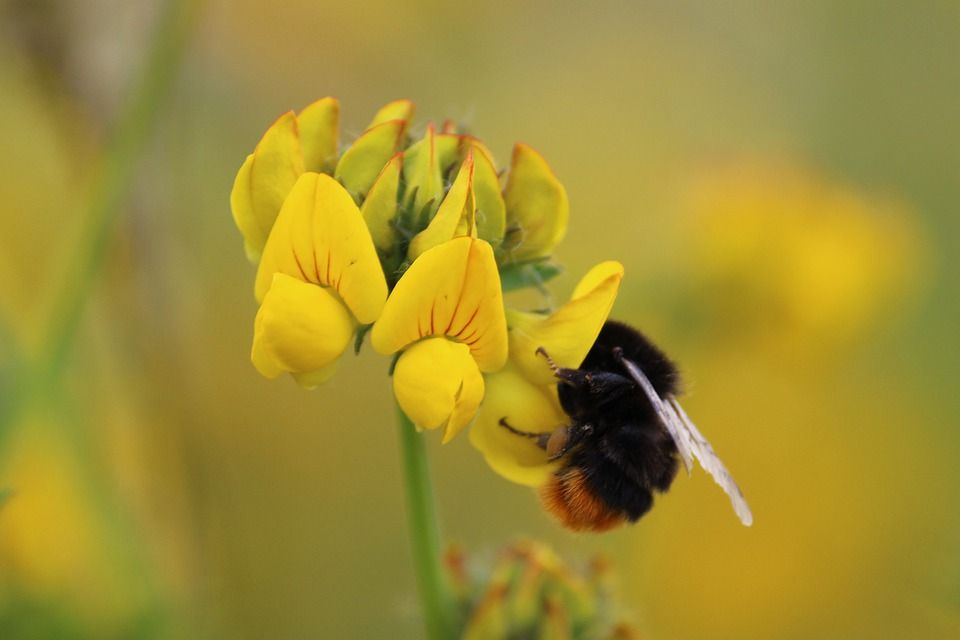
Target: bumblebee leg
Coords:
[[564, 439], [541, 438], [559, 443]]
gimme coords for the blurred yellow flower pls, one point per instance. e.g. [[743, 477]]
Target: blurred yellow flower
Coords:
[[525, 391], [781, 255], [446, 315], [57, 545], [319, 276]]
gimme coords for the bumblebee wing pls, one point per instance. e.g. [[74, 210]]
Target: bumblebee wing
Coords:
[[691, 443], [709, 460], [678, 431]]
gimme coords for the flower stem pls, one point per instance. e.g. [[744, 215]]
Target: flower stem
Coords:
[[435, 599], [115, 176]]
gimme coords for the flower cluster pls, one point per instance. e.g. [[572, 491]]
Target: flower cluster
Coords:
[[529, 592], [414, 239]]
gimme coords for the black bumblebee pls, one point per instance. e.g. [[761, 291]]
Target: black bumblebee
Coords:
[[627, 435]]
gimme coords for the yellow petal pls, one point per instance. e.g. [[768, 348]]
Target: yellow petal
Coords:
[[380, 208], [472, 142], [421, 173], [319, 129], [537, 207], [448, 147], [527, 407], [313, 379], [360, 165], [396, 110], [569, 332], [241, 205], [320, 237], [437, 384], [455, 217], [491, 210], [264, 180], [300, 328], [452, 289]]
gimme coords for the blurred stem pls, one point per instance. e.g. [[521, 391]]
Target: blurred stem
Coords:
[[114, 180], [11, 378], [436, 602]]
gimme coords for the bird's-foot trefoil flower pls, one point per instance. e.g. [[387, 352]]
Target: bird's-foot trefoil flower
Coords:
[[536, 208], [318, 279], [335, 230], [412, 237], [446, 316], [525, 390]]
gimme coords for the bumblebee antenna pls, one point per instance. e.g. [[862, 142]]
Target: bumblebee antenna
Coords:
[[553, 365]]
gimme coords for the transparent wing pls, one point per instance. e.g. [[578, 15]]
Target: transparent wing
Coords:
[[691, 443], [666, 414], [708, 459]]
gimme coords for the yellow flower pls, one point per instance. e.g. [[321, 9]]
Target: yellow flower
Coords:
[[50, 493], [446, 315], [780, 256], [536, 208], [361, 164], [455, 217], [308, 141], [318, 278], [472, 205], [525, 390], [332, 235]]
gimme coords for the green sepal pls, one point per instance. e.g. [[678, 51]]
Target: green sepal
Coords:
[[393, 362], [422, 177], [362, 332], [520, 275]]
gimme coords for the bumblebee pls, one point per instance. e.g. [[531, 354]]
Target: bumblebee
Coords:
[[626, 438]]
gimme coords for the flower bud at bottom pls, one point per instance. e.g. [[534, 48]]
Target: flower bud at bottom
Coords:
[[529, 592]]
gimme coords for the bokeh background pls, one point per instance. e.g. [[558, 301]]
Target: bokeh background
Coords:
[[780, 179]]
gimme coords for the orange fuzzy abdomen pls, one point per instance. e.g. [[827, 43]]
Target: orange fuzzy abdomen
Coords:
[[567, 496]]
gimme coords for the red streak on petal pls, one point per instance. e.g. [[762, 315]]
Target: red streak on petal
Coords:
[[300, 266], [464, 327], [453, 315], [473, 334]]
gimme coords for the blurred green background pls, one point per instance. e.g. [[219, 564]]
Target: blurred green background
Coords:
[[780, 180]]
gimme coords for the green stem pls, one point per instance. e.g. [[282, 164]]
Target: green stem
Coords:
[[436, 602], [114, 179]]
